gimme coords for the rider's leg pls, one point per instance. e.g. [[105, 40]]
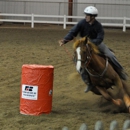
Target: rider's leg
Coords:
[[119, 69], [87, 80]]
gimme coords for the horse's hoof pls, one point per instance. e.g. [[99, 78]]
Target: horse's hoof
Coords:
[[119, 102]]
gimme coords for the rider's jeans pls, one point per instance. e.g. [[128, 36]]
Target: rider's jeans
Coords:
[[106, 51]]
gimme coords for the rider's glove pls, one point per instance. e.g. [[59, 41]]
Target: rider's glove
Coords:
[[61, 42]]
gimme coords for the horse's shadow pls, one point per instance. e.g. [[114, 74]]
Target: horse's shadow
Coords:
[[108, 107]]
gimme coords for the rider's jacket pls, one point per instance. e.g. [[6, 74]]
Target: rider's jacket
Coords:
[[94, 31]]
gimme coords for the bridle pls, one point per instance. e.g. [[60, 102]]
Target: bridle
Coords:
[[88, 57], [88, 60]]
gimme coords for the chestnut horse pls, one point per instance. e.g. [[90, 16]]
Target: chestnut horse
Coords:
[[101, 72]]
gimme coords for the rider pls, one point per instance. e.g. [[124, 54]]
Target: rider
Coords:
[[90, 27]]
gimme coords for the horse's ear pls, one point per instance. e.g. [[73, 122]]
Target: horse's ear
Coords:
[[86, 40]]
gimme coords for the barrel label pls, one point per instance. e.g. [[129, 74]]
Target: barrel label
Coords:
[[29, 92]]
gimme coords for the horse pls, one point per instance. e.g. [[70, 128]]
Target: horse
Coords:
[[101, 72]]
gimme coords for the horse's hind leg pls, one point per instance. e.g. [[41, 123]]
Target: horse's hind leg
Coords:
[[126, 87], [124, 93], [106, 95], [127, 102]]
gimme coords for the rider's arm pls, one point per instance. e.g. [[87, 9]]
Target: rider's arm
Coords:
[[73, 32], [100, 35]]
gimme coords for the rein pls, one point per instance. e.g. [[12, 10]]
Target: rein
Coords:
[[99, 75], [66, 50], [87, 63]]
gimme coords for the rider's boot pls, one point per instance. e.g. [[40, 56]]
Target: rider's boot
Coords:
[[122, 74], [86, 79], [118, 68], [88, 87]]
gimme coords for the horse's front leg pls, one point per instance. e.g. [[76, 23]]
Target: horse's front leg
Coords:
[[106, 95]]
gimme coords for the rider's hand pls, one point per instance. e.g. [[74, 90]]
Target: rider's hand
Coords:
[[61, 42]]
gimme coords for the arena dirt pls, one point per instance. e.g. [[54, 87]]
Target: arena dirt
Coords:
[[71, 106]]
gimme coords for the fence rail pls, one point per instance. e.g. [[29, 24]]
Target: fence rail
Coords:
[[32, 19], [99, 126]]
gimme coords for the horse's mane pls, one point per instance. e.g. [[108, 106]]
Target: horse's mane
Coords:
[[82, 40]]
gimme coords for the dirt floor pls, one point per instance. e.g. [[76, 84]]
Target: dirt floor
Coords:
[[71, 106]]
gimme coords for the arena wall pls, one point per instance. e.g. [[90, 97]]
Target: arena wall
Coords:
[[116, 8]]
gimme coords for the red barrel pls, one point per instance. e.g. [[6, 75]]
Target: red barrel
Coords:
[[36, 89]]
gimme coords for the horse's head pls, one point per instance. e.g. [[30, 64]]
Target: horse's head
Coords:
[[83, 49]]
